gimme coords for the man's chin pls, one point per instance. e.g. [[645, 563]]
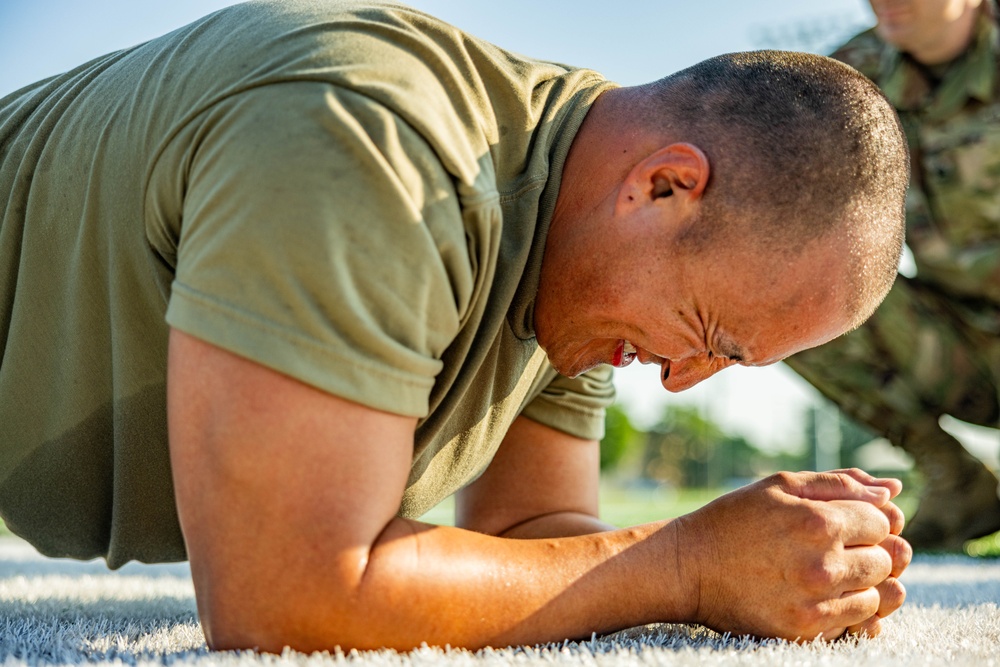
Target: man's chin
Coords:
[[571, 360], [573, 368]]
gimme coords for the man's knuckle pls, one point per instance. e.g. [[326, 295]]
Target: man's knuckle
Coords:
[[784, 479], [821, 575], [821, 525], [840, 478]]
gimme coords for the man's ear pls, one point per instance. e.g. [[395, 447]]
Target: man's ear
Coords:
[[679, 170]]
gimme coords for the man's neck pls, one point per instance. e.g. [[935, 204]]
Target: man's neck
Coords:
[[603, 152]]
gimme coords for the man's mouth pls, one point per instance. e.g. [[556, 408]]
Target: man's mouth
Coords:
[[624, 354]]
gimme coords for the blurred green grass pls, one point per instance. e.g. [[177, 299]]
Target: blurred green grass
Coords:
[[632, 505], [620, 505]]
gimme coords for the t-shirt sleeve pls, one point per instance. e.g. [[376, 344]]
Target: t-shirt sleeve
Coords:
[[319, 239], [575, 405]]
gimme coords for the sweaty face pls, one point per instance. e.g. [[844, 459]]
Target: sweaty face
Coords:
[[703, 315], [922, 26]]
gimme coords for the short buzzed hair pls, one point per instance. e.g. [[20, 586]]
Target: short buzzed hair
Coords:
[[801, 146]]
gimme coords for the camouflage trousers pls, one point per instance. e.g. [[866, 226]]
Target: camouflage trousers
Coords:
[[923, 354]]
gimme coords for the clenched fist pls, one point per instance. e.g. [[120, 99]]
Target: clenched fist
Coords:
[[797, 556]]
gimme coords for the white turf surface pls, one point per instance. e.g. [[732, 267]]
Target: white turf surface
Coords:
[[55, 612]]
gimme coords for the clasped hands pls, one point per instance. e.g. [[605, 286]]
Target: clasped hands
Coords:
[[797, 556]]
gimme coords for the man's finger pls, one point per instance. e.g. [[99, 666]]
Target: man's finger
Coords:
[[835, 486], [891, 594], [850, 610], [865, 567], [899, 551], [861, 523], [893, 485], [895, 517], [870, 627]]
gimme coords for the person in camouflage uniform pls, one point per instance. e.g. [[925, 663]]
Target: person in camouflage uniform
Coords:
[[933, 347]]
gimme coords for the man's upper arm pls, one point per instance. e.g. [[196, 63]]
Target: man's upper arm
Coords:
[[273, 477], [548, 464], [537, 471], [315, 237]]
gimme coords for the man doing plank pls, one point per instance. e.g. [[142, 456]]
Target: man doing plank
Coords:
[[275, 283]]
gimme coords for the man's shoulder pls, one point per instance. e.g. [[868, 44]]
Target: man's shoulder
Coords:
[[863, 52]]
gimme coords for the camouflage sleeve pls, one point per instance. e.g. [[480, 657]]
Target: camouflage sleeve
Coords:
[[863, 52]]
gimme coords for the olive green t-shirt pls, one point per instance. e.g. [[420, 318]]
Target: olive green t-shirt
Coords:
[[354, 194]]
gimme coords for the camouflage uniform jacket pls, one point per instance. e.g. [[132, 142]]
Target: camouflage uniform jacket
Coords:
[[952, 121]]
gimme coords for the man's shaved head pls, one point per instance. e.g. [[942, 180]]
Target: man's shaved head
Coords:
[[801, 148]]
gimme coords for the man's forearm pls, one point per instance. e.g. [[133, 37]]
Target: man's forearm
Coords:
[[795, 556], [474, 590], [442, 586]]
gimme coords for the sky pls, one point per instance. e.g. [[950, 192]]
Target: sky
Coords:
[[630, 42]]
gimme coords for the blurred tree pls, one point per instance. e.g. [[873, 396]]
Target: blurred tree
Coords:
[[852, 437], [687, 449], [832, 438], [619, 437]]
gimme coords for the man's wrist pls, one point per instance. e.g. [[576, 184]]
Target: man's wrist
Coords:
[[663, 577], [688, 561]]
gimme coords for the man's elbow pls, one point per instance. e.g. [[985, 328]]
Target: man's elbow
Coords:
[[238, 623], [228, 628], [306, 613], [313, 597]]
